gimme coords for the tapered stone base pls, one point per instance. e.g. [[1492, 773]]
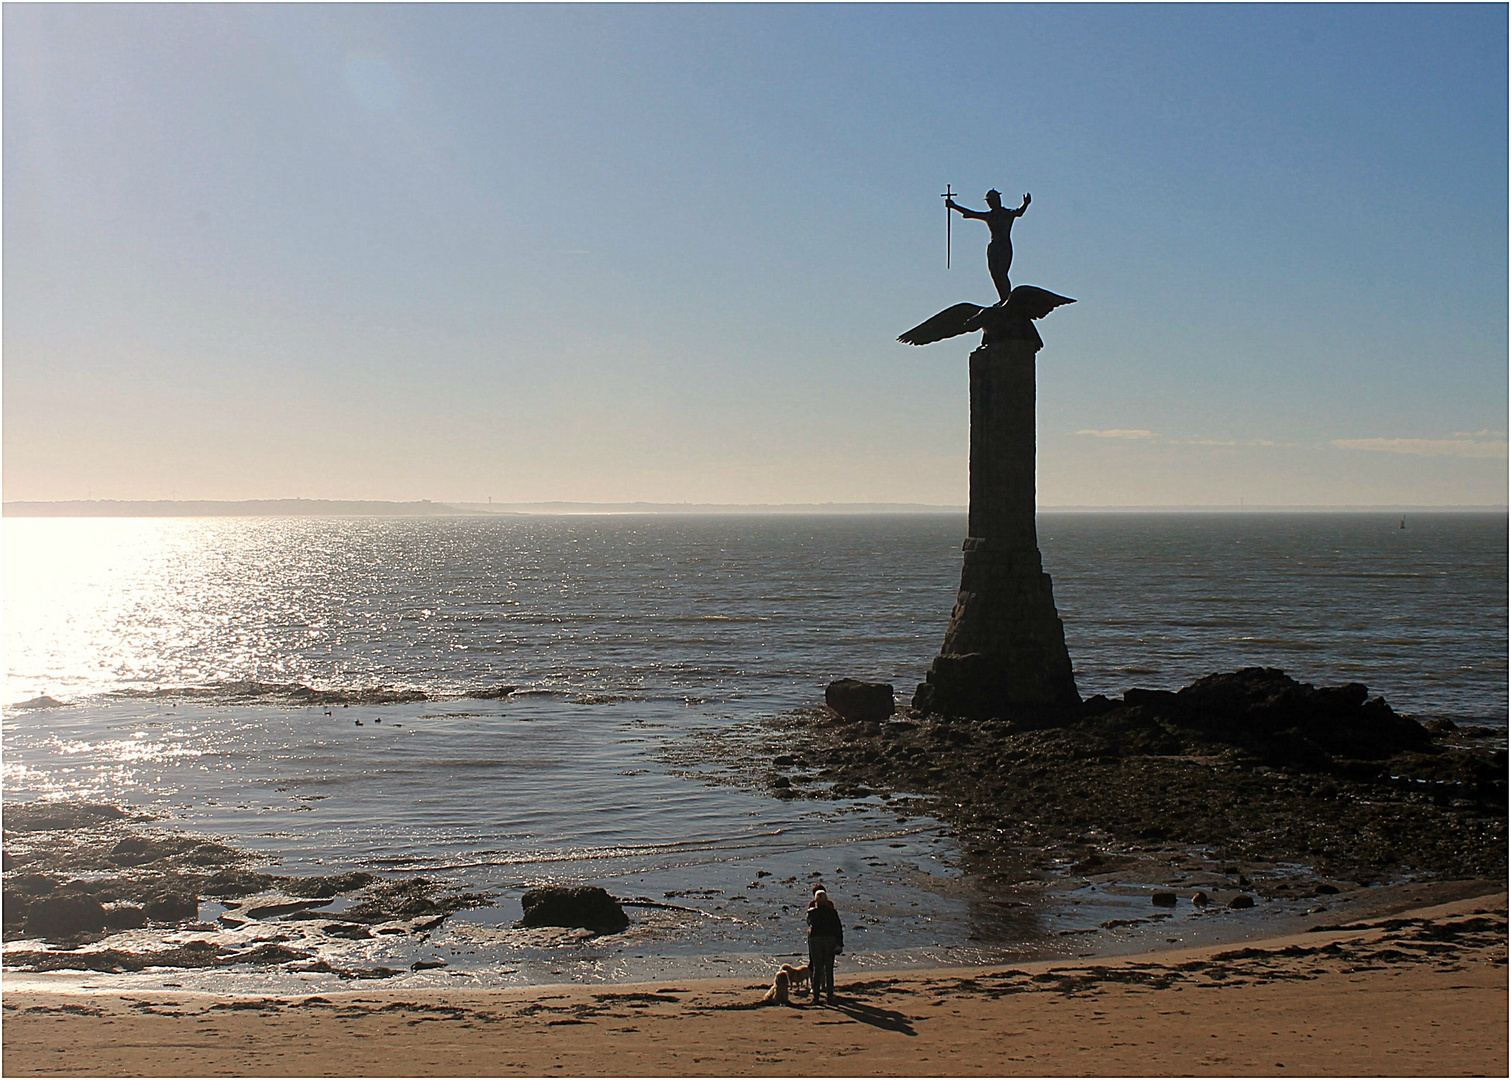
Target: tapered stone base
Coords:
[[1004, 650]]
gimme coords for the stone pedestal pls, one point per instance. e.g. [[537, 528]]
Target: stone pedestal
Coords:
[[1004, 651]]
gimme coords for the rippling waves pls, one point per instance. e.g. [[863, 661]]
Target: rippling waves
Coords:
[[763, 610]]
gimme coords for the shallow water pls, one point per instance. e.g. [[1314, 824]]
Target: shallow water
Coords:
[[632, 639]]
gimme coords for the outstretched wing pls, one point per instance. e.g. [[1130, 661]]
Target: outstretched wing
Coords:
[[951, 321], [1033, 302]]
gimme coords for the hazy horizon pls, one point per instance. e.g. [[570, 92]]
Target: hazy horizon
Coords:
[[647, 253], [429, 508]]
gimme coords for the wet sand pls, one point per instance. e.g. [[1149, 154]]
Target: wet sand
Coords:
[[1423, 992]]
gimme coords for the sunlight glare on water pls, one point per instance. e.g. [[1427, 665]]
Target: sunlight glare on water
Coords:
[[756, 609]]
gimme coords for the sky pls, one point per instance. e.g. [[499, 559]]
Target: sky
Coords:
[[662, 253]]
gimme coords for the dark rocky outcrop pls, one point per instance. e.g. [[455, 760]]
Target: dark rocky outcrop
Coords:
[[1282, 720], [585, 906], [854, 700], [1252, 764]]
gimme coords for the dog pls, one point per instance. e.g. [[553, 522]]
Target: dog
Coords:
[[796, 975], [778, 994]]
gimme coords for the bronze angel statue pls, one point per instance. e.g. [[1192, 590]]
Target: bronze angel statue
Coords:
[[1012, 314]]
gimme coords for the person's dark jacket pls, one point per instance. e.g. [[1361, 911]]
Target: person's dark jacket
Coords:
[[825, 921]]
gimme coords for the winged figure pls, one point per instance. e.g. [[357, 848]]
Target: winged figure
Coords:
[[1011, 318]]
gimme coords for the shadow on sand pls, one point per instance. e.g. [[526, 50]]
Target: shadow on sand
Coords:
[[888, 1019]]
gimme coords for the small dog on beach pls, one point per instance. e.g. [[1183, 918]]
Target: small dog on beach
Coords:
[[778, 994], [796, 975], [788, 978]]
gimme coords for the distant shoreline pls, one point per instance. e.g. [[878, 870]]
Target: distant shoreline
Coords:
[[427, 508]]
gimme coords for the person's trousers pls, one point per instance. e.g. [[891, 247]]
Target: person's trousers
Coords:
[[821, 950]]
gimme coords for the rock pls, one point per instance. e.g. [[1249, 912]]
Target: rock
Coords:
[[1164, 899], [1200, 899], [1149, 699], [32, 884], [1241, 901], [409, 898], [1325, 890], [1097, 704], [1286, 721], [124, 917], [330, 885], [42, 702], [353, 931], [586, 906], [273, 906], [172, 907], [856, 700], [42, 817], [136, 851], [232, 881], [65, 915]]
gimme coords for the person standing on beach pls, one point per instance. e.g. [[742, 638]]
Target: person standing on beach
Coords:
[[826, 938]]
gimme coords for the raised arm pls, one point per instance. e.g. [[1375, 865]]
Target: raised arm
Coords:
[[1027, 198], [963, 212]]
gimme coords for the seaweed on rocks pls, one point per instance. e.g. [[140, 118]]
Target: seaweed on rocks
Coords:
[[290, 693], [22, 818], [1250, 764], [409, 898], [77, 873], [196, 953]]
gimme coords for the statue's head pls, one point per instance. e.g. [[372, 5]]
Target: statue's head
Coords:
[[994, 199]]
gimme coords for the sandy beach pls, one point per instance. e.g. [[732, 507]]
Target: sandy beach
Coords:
[[1421, 992]]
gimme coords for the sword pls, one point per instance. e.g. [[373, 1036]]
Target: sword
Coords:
[[948, 221]]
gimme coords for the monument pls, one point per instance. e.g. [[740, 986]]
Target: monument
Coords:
[[1004, 651]]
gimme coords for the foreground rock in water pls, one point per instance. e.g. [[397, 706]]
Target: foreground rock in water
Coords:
[[77, 872], [586, 906], [852, 699], [1251, 764]]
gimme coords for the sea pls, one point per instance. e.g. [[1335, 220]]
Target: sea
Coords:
[[653, 660]]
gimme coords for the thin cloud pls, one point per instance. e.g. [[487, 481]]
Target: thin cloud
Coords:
[[1120, 433], [1465, 448]]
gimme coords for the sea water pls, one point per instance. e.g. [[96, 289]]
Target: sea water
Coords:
[[637, 647]]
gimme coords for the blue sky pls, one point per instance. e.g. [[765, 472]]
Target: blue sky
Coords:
[[663, 252]]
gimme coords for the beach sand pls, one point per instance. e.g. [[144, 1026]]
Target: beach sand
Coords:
[[1423, 992]]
